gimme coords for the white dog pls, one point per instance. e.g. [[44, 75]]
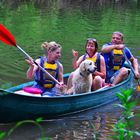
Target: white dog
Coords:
[[82, 77]]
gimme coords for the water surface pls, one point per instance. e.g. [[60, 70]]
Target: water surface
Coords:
[[69, 23]]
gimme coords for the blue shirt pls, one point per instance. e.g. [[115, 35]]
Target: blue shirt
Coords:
[[109, 61]]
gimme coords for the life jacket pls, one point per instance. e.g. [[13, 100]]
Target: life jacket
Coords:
[[95, 59], [117, 59], [44, 80], [114, 60]]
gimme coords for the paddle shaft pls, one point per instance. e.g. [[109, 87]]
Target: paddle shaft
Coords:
[[29, 57], [8, 38], [130, 65]]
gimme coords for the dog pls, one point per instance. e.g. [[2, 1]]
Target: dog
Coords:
[[82, 77]]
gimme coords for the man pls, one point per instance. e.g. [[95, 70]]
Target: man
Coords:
[[114, 58]]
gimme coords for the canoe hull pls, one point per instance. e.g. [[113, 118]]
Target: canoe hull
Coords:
[[16, 107]]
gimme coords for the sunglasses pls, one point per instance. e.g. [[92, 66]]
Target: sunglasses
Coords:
[[92, 39]]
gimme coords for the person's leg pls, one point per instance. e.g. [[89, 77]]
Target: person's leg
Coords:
[[122, 75], [50, 92], [97, 82]]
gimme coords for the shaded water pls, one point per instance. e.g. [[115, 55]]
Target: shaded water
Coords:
[[70, 23], [97, 123]]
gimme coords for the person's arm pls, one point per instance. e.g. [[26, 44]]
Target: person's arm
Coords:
[[79, 61], [32, 68], [76, 62], [102, 72], [75, 57], [134, 62], [109, 48], [60, 78], [60, 74]]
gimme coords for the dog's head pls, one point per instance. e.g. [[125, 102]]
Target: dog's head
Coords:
[[87, 66]]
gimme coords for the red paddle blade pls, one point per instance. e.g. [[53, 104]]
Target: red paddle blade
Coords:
[[6, 36]]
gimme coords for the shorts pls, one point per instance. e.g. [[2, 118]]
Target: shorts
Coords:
[[114, 76], [46, 91]]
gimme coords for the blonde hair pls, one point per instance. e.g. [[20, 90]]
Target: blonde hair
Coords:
[[45, 46], [50, 46]]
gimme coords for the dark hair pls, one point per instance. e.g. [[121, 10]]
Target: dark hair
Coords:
[[93, 40]]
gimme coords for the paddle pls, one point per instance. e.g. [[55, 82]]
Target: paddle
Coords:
[[138, 87], [8, 38]]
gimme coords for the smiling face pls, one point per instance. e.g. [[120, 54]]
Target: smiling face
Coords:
[[54, 55], [90, 47], [54, 52], [117, 38]]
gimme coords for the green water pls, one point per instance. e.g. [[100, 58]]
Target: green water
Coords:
[[70, 23]]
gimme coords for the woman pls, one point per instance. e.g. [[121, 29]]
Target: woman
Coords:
[[51, 64], [91, 54]]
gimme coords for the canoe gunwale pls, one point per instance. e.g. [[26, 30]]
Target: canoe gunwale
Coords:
[[15, 88]]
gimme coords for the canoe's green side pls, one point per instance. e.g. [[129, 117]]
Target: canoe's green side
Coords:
[[16, 107]]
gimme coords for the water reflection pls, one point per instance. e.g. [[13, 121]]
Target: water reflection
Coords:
[[96, 123], [69, 22], [70, 3], [87, 125]]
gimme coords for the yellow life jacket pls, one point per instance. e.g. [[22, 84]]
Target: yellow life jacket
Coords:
[[43, 79], [95, 59], [92, 59], [117, 59], [51, 68]]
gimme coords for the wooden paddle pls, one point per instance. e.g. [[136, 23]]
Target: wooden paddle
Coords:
[[138, 87], [8, 38]]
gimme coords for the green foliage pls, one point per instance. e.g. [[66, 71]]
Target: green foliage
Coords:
[[18, 124], [39, 120], [2, 134], [124, 127]]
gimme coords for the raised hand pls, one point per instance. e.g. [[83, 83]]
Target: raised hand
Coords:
[[75, 54]]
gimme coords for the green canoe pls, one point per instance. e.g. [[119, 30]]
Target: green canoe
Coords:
[[16, 106]]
